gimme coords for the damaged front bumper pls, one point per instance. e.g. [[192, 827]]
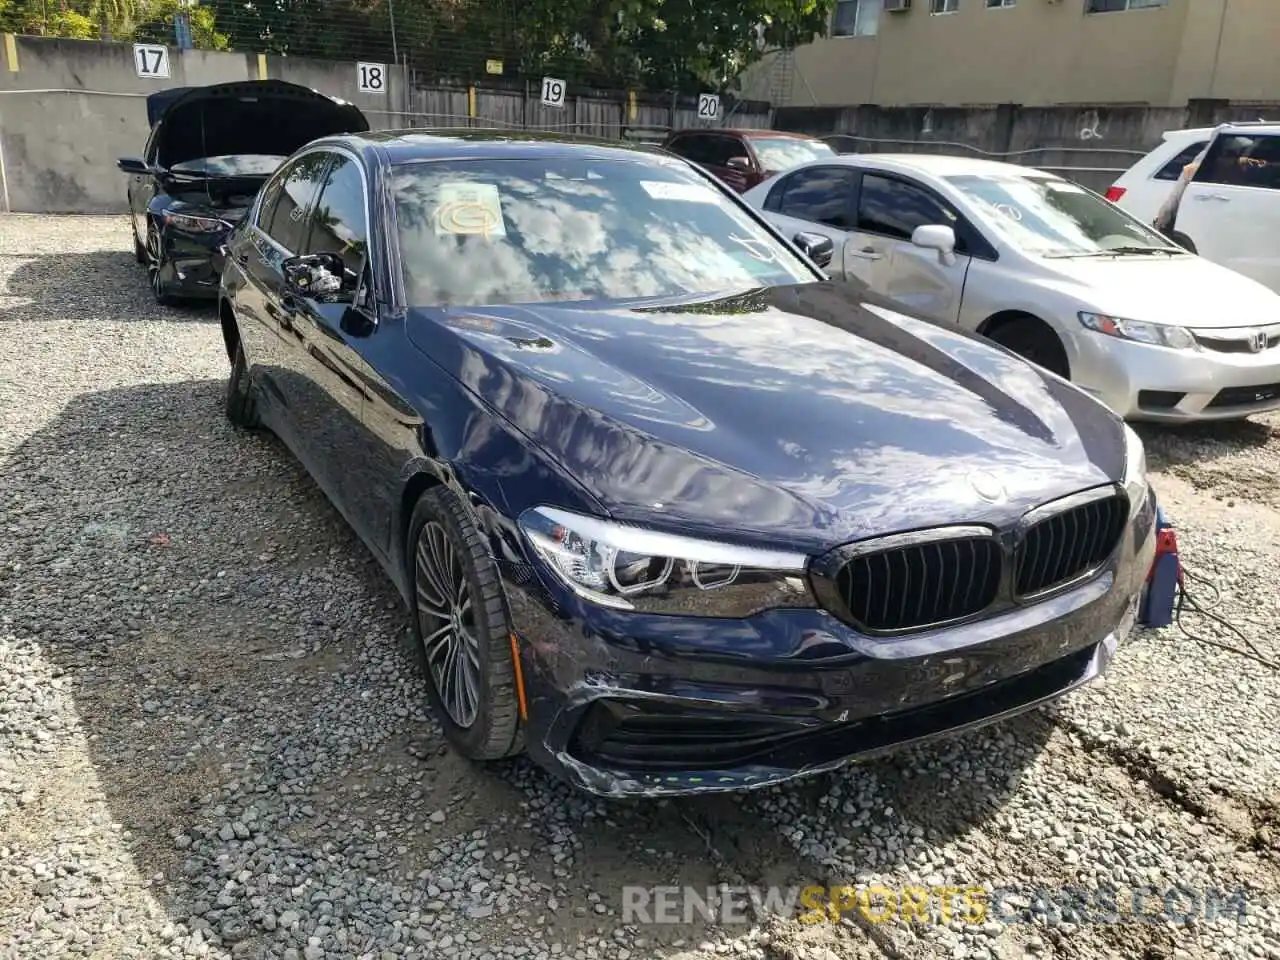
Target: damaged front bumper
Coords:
[[628, 704]]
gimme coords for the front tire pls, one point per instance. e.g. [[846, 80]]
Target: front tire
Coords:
[[1034, 341], [241, 402], [461, 629], [155, 260]]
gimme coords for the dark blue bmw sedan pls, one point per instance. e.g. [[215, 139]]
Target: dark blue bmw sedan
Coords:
[[671, 511]]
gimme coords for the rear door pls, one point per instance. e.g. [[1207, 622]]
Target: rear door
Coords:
[[1145, 187], [890, 208], [819, 199], [1231, 209]]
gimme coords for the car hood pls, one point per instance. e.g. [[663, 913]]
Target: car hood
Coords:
[[245, 117], [1184, 290], [800, 414]]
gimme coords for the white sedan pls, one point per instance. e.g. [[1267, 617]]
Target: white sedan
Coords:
[[1048, 269]]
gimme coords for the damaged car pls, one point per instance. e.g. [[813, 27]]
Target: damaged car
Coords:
[[210, 149], [671, 511]]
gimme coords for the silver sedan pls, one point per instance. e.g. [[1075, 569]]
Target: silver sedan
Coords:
[[1048, 269]]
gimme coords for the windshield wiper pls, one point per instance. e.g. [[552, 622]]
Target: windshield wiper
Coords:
[[1141, 251]]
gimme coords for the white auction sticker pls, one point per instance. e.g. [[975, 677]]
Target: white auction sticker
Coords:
[[470, 209], [688, 192]]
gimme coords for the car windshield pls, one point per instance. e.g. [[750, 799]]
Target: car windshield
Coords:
[[1055, 218], [238, 165], [480, 232], [783, 153]]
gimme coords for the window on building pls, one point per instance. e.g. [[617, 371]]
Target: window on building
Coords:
[[997, 4], [856, 18], [1115, 6], [944, 6]]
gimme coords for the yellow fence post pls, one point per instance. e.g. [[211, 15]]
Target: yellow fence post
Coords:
[[262, 66], [632, 112], [11, 52], [471, 102]]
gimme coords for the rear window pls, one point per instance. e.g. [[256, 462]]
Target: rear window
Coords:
[[1173, 169], [782, 153]]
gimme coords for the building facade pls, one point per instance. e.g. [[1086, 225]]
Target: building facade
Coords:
[[1162, 53]]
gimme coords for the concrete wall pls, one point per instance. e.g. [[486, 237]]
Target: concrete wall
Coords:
[[69, 108], [1044, 53]]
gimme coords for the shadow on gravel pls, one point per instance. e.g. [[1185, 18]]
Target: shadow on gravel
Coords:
[[238, 667], [102, 285]]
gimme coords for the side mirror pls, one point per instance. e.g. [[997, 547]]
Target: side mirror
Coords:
[[816, 247], [134, 166], [937, 237], [319, 276], [739, 163]]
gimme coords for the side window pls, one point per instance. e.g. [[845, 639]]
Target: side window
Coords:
[[339, 222], [820, 195], [1173, 169], [894, 208], [1242, 161], [722, 149], [299, 183], [267, 206], [692, 147]]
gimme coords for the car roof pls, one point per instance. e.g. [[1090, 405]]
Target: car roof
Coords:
[[939, 165], [1253, 126], [400, 146], [747, 132]]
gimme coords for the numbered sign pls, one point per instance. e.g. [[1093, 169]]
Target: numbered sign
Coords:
[[151, 60], [552, 92], [371, 77], [708, 106]]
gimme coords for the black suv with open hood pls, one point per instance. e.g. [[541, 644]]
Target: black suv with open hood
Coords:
[[209, 151]]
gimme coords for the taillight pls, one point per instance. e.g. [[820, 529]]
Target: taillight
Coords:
[[1115, 193]]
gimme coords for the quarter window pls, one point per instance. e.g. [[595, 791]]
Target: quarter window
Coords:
[[1242, 161], [286, 222], [820, 195], [1173, 169], [893, 208], [339, 222]]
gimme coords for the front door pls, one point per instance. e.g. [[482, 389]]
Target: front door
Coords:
[[890, 208], [1231, 209]]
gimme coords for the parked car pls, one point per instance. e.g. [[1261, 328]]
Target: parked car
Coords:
[[1048, 269], [1230, 212], [671, 511], [210, 149], [1144, 187], [743, 158]]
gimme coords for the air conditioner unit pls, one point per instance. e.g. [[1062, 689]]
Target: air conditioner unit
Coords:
[[897, 6]]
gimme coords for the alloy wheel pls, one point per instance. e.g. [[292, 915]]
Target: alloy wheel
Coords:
[[448, 624], [153, 263]]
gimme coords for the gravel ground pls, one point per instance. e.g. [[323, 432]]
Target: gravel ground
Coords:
[[212, 743]]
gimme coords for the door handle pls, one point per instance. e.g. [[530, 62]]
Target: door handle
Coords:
[[1213, 196], [868, 253]]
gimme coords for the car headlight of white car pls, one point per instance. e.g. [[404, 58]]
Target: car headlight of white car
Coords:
[[1135, 469], [634, 568], [1140, 331]]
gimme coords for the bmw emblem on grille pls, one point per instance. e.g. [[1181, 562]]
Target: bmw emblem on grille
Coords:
[[986, 485], [1258, 341]]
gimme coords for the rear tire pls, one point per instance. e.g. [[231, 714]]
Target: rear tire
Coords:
[[461, 630], [1034, 341], [241, 402]]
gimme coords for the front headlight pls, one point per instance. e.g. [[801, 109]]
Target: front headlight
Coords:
[[632, 568], [190, 224], [1135, 469], [1157, 334]]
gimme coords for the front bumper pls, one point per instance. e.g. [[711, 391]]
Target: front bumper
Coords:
[[627, 704], [190, 267], [1143, 382]]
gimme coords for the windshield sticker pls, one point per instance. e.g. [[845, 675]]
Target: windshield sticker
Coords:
[[470, 209], [1008, 210], [688, 192], [758, 249]]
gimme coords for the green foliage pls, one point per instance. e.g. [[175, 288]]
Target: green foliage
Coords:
[[656, 44]]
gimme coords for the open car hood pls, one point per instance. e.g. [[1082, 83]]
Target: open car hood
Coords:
[[269, 117]]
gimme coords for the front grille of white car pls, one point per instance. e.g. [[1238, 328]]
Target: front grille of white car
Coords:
[[1237, 341]]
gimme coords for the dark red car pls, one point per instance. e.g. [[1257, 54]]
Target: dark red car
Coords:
[[743, 158]]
